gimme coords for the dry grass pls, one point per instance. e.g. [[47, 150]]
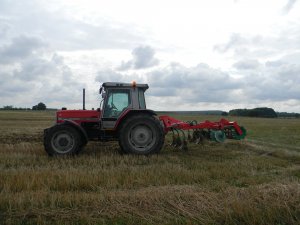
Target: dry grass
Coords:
[[255, 181]]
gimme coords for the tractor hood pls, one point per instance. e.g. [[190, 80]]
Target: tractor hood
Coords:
[[78, 116]]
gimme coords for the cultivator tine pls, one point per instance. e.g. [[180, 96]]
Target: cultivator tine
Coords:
[[178, 139], [200, 138], [189, 136], [183, 145], [194, 136], [173, 138]]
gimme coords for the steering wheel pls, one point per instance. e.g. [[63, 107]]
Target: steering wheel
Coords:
[[113, 106]]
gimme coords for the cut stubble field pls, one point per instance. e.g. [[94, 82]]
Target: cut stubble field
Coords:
[[253, 181]]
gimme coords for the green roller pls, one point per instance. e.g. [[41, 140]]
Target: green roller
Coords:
[[242, 136], [231, 133], [217, 135]]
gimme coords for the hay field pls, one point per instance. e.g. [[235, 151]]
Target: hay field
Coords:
[[254, 181]]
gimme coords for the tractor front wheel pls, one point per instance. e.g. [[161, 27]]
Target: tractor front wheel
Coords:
[[62, 140], [142, 135]]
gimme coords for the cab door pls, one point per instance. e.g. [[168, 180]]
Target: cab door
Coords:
[[116, 102]]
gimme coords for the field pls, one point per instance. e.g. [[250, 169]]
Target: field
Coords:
[[254, 181]]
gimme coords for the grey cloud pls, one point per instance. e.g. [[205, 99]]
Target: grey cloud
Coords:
[[244, 46], [278, 82], [31, 70], [38, 68], [76, 35], [193, 84], [64, 32], [14, 88], [125, 65], [108, 75], [250, 64], [162, 91], [275, 63], [42, 79], [289, 6], [143, 57], [20, 48], [272, 82], [31, 73], [292, 58], [4, 28], [235, 40]]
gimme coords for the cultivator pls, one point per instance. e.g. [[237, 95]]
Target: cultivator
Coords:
[[198, 132]]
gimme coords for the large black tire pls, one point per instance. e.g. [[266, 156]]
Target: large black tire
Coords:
[[141, 134], [62, 140]]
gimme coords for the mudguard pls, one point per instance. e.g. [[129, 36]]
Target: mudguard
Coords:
[[129, 112]]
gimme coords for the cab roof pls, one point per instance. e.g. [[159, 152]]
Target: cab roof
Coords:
[[124, 85]]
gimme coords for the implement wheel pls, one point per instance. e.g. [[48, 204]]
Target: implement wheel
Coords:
[[62, 140], [141, 134]]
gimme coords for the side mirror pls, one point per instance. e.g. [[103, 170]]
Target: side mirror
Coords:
[[100, 90]]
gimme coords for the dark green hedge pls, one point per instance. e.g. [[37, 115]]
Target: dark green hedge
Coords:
[[256, 112]]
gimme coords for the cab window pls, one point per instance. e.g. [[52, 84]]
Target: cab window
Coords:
[[117, 102], [142, 99]]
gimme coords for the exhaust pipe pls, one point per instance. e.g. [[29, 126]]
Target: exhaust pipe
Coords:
[[83, 99]]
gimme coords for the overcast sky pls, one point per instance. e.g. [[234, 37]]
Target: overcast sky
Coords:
[[195, 55]]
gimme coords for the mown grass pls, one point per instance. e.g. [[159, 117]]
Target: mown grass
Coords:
[[254, 181]]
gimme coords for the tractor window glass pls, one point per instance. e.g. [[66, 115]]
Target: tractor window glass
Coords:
[[117, 102], [142, 99]]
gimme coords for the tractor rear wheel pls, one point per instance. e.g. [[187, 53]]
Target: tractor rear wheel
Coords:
[[141, 134], [62, 140]]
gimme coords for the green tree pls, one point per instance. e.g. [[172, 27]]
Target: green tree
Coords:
[[224, 114], [40, 106], [8, 107], [256, 112]]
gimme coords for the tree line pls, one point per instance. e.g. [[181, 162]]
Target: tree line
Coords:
[[39, 106], [264, 112]]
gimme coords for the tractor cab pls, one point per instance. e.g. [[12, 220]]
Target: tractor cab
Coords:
[[118, 99]]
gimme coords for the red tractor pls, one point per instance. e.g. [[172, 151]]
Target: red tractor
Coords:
[[124, 117]]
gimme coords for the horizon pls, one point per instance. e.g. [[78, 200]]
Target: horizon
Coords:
[[16, 108]]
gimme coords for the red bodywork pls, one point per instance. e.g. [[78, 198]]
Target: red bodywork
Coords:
[[171, 123], [78, 116]]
